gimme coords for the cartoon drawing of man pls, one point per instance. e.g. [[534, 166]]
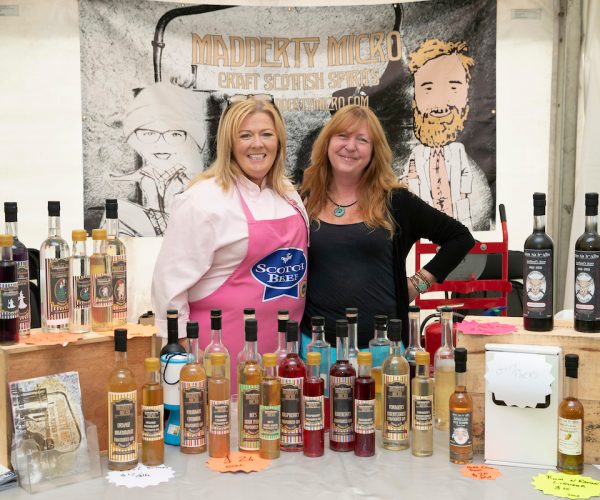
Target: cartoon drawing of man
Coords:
[[439, 170]]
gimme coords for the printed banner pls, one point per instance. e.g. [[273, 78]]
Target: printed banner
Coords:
[[155, 80]]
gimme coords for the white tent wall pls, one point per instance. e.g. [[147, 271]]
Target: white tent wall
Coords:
[[40, 118]]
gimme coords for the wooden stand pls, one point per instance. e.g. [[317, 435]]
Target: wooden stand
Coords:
[[586, 345], [91, 356]]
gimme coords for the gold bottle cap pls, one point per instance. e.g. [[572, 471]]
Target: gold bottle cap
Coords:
[[98, 234], [6, 240], [269, 360], [422, 357], [313, 358], [79, 235], [151, 364], [365, 358], [217, 358]]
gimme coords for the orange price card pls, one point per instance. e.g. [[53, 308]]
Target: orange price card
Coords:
[[480, 472], [238, 462]]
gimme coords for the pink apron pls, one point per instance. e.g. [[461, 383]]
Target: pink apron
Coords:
[[272, 276]]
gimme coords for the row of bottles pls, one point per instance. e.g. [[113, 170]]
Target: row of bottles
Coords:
[[538, 276]]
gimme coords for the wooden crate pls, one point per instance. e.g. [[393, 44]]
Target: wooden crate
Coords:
[[586, 345], [92, 357]]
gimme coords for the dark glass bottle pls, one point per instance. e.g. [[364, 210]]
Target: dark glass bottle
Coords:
[[587, 271], [538, 277], [314, 408], [364, 408], [9, 292], [172, 346]]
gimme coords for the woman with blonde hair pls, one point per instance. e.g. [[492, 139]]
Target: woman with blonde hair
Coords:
[[363, 225], [237, 237]]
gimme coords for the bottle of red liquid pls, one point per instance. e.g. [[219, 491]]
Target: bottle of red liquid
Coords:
[[291, 375], [364, 407], [341, 394], [313, 408]]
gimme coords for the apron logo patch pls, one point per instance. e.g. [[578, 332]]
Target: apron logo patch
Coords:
[[281, 272]]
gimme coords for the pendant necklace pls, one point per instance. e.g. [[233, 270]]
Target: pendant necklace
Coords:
[[340, 210]]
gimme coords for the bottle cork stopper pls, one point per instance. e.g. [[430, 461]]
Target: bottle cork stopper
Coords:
[[98, 234], [151, 364], [365, 358], [313, 358], [79, 235], [422, 357], [269, 360], [6, 240], [217, 358]]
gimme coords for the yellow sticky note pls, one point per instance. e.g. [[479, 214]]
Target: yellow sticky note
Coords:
[[566, 485]]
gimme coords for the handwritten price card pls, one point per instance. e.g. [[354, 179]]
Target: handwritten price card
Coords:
[[480, 472], [566, 485], [238, 462]]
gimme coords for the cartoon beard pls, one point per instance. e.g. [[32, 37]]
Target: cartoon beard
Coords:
[[434, 131]]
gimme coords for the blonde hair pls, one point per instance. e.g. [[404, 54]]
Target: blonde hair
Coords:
[[432, 48], [225, 169], [377, 181]]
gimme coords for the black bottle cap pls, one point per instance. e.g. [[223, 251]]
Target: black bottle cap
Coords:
[[215, 313], [172, 313], [215, 319], [10, 211], [352, 315], [283, 312], [121, 339], [251, 330], [54, 209], [539, 203], [395, 330], [591, 203], [571, 365], [317, 321], [414, 309], [341, 328], [112, 209], [380, 321], [192, 329], [249, 311], [460, 360], [291, 332]]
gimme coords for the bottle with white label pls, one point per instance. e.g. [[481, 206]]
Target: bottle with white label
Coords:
[[54, 275], [538, 312], [270, 409], [102, 295], [115, 248], [153, 444], [587, 271], [80, 283], [422, 407], [364, 408], [9, 292], [570, 422], [352, 318], [461, 413], [313, 408]]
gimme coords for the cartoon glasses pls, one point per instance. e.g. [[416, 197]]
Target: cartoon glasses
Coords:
[[172, 137]]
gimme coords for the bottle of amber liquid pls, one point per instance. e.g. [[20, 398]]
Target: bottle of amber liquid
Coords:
[[122, 410], [192, 391], [219, 417], [115, 249], [422, 407], [461, 413], [102, 295], [153, 445], [364, 408], [570, 422], [270, 409], [250, 376], [314, 407]]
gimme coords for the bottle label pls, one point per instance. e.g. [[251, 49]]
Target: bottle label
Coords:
[[587, 275], [152, 423], [314, 413], [269, 422], [121, 426], [569, 436], [342, 395], [365, 416], [81, 289], [9, 300], [460, 429], [291, 406], [57, 282], [193, 404], [219, 417], [23, 280], [395, 407], [422, 413], [119, 286], [101, 290], [537, 270], [249, 395]]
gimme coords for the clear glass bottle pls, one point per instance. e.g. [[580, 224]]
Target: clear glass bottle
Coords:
[[320, 345], [364, 408], [283, 317], [102, 294], [21, 259], [587, 271], [570, 422], [80, 284], [443, 362], [352, 319], [219, 414], [122, 409], [395, 393], [193, 397], [270, 409], [313, 407], [9, 292], [249, 377], [461, 413], [117, 252], [379, 346], [54, 275], [216, 344], [153, 445], [414, 338], [422, 407]]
